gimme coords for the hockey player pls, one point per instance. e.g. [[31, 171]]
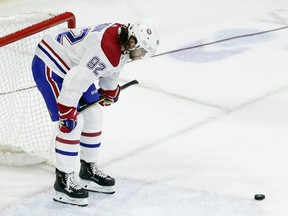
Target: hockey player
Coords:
[[73, 67]]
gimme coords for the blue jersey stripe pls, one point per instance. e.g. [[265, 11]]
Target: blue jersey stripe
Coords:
[[52, 59]]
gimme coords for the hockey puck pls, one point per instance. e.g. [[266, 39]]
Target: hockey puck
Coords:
[[259, 197]]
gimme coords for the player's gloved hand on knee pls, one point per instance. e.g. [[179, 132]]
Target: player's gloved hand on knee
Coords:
[[67, 118], [110, 96]]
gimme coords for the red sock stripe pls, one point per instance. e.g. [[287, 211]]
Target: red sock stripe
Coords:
[[95, 134], [71, 142]]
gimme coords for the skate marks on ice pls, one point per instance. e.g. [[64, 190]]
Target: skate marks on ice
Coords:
[[137, 198]]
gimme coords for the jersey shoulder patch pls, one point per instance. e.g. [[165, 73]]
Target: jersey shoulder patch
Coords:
[[110, 44]]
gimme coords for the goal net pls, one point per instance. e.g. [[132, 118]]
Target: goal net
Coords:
[[26, 131]]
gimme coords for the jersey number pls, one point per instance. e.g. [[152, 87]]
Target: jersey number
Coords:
[[71, 37], [95, 65]]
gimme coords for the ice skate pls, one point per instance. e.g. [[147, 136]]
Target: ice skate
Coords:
[[68, 191], [92, 179]]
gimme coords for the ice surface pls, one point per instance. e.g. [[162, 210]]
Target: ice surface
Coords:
[[205, 129], [139, 198]]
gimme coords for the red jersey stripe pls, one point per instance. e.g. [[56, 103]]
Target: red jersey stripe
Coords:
[[52, 83], [56, 55]]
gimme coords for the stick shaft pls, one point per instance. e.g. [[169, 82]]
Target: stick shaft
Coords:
[[124, 86]]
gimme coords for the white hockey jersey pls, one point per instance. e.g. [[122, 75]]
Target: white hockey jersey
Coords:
[[83, 56]]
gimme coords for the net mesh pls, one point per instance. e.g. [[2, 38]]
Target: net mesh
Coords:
[[25, 123]]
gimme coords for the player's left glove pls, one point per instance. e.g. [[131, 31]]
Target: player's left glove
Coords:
[[110, 96], [67, 118]]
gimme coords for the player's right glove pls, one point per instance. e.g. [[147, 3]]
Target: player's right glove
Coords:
[[67, 118], [110, 96]]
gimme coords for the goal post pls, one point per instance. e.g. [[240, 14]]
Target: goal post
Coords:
[[39, 27], [26, 131]]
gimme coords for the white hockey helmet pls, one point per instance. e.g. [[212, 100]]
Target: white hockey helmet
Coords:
[[146, 34]]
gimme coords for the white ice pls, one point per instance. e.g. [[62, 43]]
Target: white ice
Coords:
[[205, 129]]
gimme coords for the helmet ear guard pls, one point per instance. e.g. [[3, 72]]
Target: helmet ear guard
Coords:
[[146, 34]]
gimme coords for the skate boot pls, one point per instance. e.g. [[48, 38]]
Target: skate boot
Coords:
[[68, 191], [92, 179]]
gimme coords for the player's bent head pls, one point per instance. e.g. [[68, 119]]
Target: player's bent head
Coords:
[[142, 39]]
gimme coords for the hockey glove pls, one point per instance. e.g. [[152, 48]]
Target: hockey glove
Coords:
[[110, 96], [67, 118]]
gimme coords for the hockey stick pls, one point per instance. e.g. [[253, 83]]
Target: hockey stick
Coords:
[[124, 86]]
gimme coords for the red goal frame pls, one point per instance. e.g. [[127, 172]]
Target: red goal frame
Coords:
[[33, 29]]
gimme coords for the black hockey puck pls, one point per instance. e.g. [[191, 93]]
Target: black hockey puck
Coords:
[[259, 197]]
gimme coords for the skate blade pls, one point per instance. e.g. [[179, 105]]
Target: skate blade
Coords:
[[65, 199], [92, 186]]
